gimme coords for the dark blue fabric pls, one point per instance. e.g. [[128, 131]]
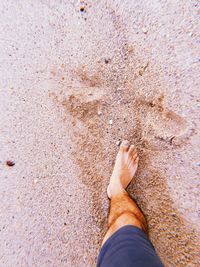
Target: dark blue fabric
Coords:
[[128, 247]]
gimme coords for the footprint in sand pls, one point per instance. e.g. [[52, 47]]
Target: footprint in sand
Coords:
[[83, 102], [164, 124], [87, 94], [82, 99]]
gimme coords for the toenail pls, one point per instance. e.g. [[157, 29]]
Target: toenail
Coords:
[[125, 142]]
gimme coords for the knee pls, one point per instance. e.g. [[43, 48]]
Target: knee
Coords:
[[125, 218], [129, 218]]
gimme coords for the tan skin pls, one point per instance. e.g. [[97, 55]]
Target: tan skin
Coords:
[[123, 209]]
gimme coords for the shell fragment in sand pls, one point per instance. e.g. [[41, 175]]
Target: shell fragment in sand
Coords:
[[110, 121]]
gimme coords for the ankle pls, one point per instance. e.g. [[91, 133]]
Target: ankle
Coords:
[[113, 190]]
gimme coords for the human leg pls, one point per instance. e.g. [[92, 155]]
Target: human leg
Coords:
[[123, 209], [126, 243]]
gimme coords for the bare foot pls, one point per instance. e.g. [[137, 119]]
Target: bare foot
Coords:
[[126, 164]]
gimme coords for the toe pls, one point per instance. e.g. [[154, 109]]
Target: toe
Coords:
[[132, 150], [124, 146], [133, 155], [137, 160]]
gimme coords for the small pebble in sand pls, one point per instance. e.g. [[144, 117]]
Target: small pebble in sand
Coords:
[[130, 49], [110, 121], [144, 30], [106, 61], [99, 113], [10, 163], [82, 8], [118, 143]]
